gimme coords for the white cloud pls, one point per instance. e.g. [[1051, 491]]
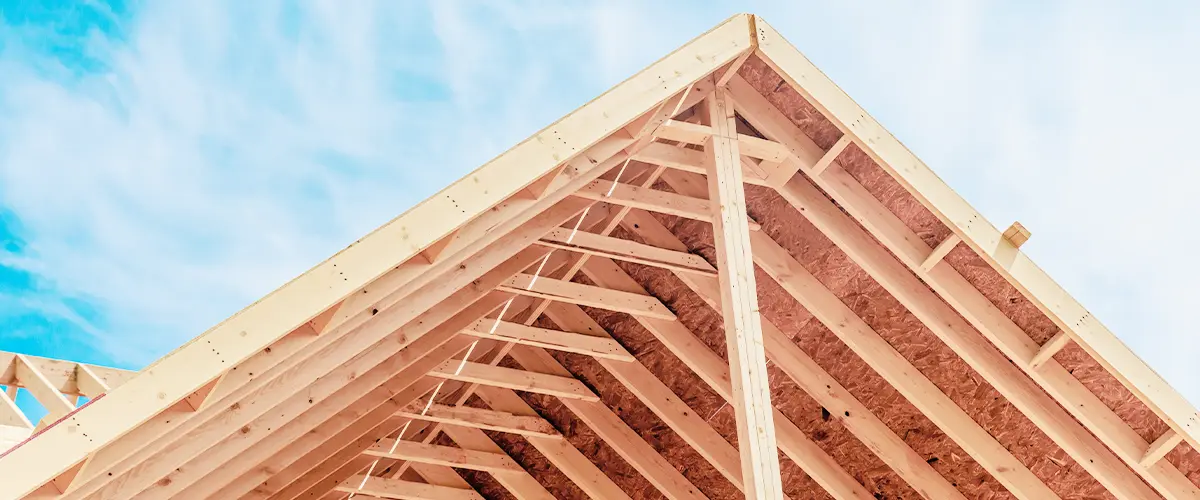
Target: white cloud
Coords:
[[232, 144]]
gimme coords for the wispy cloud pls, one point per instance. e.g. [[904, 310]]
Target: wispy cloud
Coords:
[[169, 163]]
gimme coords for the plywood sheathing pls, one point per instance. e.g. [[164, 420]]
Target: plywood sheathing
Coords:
[[983, 403], [999, 291], [637, 415]]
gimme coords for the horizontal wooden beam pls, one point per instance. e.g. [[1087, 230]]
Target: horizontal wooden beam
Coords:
[[939, 252], [444, 455], [587, 295], [404, 490], [1049, 349], [627, 250], [520, 380], [1161, 447], [688, 160], [651, 199], [588, 345], [691, 133], [479, 418]]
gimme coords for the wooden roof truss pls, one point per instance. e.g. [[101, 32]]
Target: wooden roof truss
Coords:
[[404, 365]]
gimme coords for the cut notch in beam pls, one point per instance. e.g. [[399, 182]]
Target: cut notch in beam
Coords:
[[627, 250], [1049, 349], [1161, 447], [448, 456], [400, 489], [479, 418], [519, 380], [588, 345], [587, 295]]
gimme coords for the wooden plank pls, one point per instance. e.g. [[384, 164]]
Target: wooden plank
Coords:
[[647, 199], [805, 372], [606, 424], [518, 380], [982, 236], [588, 345], [521, 484], [1016, 234], [1160, 448], [42, 389], [404, 490], [337, 350], [444, 455], [739, 304], [754, 147], [586, 295], [1000, 331], [688, 160], [969, 303], [11, 415], [1049, 349], [480, 418], [659, 398], [627, 250], [187, 369], [939, 252]]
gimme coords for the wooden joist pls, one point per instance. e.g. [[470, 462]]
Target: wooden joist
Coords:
[[404, 490], [652, 200], [751, 146], [1049, 349], [481, 418], [629, 251], [1160, 448], [586, 295], [444, 455], [588, 345], [518, 380]]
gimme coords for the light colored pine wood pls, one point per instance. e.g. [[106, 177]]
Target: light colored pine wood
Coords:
[[1160, 448], [1049, 349], [586, 295], [739, 304], [939, 252], [951, 287], [480, 418], [444, 455], [1016, 234], [405, 490], [518, 380], [629, 251], [187, 369], [558, 340]]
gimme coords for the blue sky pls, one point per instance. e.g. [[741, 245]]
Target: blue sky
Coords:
[[163, 164]]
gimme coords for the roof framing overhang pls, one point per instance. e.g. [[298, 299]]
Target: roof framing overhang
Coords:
[[421, 346]]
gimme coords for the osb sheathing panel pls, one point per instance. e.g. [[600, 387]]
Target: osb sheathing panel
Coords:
[[637, 415], [1002, 294]]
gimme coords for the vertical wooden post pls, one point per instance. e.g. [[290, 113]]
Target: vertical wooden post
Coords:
[[739, 301]]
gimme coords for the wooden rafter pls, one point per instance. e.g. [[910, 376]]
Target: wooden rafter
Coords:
[[946, 323], [480, 418]]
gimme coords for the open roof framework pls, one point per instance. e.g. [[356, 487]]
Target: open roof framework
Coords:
[[561, 323]]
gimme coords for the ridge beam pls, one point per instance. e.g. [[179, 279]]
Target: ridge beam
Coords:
[[404, 490], [739, 304], [519, 380], [578, 343], [480, 418], [586, 295], [448, 456]]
